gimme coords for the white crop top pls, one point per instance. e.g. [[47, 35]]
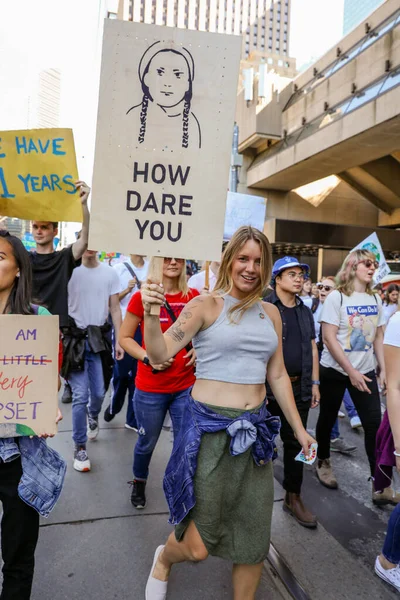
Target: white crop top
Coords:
[[236, 352]]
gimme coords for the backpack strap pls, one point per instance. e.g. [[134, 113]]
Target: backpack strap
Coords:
[[132, 272]]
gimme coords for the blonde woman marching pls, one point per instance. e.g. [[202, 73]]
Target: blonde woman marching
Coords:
[[160, 387], [219, 481], [353, 322]]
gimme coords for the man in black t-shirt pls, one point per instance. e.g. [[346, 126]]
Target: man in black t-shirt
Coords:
[[52, 270], [300, 356]]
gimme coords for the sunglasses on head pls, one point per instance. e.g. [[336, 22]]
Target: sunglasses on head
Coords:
[[370, 263], [327, 288]]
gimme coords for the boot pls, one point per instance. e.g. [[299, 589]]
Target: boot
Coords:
[[387, 496], [293, 504], [325, 474]]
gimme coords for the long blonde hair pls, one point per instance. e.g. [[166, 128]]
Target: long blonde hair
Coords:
[[224, 282], [347, 273], [182, 281]]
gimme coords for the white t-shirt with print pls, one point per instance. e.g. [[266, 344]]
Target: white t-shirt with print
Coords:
[[357, 316], [125, 276], [89, 291], [392, 333]]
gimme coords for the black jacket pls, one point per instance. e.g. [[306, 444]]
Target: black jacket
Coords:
[[74, 341], [306, 322]]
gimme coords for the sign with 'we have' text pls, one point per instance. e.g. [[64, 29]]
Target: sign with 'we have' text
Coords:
[[37, 175], [164, 136], [28, 374]]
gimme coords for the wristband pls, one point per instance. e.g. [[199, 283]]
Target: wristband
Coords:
[[316, 382], [396, 453], [146, 361]]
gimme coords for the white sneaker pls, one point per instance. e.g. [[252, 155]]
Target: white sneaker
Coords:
[[81, 460], [355, 422], [93, 428], [341, 414], [391, 576], [156, 589]]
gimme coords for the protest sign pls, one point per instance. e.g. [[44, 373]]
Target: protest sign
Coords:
[[28, 374], [28, 241], [164, 136], [372, 244], [37, 174], [243, 209]]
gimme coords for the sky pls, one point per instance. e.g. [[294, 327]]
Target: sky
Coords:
[[315, 26]]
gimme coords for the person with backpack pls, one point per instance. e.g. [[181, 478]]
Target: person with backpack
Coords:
[[160, 388], [338, 444], [352, 328], [131, 273]]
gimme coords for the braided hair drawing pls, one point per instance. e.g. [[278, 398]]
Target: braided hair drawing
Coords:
[[167, 96]]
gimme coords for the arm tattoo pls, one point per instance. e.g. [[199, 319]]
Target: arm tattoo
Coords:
[[175, 332]]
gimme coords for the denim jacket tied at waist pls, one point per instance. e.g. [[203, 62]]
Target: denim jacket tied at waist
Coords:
[[43, 471], [257, 430]]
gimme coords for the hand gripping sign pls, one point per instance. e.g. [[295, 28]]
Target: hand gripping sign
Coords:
[[164, 133], [28, 374]]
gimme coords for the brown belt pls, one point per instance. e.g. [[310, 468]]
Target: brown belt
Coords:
[[295, 378]]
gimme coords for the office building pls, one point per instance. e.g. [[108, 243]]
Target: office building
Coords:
[[264, 24], [357, 10]]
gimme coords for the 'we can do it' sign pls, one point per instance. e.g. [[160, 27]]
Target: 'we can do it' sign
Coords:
[[164, 134]]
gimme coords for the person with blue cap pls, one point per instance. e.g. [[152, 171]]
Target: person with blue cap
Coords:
[[300, 355]]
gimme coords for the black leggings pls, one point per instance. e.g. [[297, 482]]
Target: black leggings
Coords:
[[19, 535], [368, 406]]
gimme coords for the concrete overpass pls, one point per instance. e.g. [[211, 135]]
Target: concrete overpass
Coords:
[[340, 117]]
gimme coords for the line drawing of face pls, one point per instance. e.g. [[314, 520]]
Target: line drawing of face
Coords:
[[167, 79]]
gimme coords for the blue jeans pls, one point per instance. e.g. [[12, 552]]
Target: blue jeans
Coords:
[[150, 410], [124, 375], [351, 412], [349, 405], [391, 546], [87, 389]]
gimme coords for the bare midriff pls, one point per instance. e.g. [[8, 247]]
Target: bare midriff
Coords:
[[229, 395]]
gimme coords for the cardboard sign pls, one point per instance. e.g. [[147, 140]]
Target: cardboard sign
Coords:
[[37, 174], [243, 209], [28, 374], [372, 244], [164, 136]]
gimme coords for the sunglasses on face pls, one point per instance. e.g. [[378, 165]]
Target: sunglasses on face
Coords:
[[168, 259], [327, 288], [370, 263]]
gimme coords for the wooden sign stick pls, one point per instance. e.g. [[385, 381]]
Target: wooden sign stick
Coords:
[[156, 276], [207, 275]]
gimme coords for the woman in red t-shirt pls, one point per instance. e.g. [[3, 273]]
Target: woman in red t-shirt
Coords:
[[159, 388]]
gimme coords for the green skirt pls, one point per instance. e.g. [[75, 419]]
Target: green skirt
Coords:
[[234, 499]]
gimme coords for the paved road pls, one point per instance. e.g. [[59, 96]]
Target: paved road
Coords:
[[95, 545]]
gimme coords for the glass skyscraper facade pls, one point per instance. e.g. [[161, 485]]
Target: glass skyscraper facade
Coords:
[[357, 10]]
